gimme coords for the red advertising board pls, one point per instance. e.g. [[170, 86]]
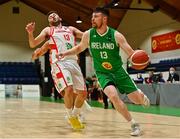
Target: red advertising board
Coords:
[[166, 42]]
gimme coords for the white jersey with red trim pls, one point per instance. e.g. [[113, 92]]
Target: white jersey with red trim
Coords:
[[61, 39]]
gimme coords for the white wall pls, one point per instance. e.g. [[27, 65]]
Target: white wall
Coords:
[[13, 37], [139, 26]]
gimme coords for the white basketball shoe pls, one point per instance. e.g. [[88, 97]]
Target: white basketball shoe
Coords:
[[135, 130]]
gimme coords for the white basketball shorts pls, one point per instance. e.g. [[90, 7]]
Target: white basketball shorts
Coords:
[[66, 73]]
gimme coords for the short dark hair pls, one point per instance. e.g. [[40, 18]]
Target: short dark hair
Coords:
[[102, 10], [50, 12]]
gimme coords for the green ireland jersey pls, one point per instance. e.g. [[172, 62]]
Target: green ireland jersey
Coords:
[[104, 51]]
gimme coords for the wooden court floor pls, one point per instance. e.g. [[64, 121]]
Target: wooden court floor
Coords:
[[23, 118]]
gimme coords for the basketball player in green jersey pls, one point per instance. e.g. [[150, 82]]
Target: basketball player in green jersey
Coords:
[[104, 44]]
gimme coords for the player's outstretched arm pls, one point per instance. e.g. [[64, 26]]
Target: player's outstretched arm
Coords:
[[78, 34], [33, 42], [78, 48]]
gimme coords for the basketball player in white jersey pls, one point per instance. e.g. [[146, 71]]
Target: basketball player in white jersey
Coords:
[[66, 72], [40, 52]]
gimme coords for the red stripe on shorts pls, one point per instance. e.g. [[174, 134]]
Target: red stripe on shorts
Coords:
[[59, 75]]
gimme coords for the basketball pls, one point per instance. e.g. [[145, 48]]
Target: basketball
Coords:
[[139, 60]]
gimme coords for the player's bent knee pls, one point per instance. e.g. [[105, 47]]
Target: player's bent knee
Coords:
[[68, 90], [82, 94], [112, 97]]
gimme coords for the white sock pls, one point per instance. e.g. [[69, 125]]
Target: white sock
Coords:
[[145, 98], [76, 111], [69, 112], [132, 121], [88, 107], [83, 107]]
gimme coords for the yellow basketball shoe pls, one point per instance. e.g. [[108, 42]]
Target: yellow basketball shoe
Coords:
[[75, 123]]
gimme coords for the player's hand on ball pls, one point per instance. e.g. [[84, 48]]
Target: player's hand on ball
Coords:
[[139, 60]]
